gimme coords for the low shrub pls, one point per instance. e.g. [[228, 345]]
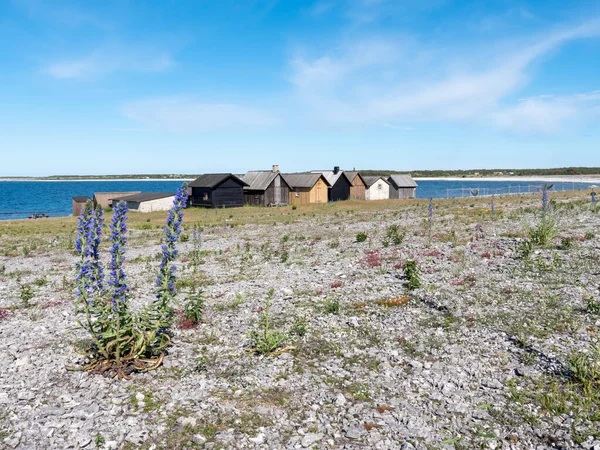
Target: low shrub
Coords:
[[361, 237], [412, 274]]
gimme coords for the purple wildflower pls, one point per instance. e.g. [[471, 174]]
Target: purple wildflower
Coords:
[[117, 278], [430, 213], [166, 278]]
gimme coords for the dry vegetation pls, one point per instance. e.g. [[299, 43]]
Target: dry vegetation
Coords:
[[312, 338]]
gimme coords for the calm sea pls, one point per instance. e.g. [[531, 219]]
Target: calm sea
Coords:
[[20, 199]]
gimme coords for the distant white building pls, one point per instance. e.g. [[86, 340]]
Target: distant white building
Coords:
[[148, 201], [377, 188]]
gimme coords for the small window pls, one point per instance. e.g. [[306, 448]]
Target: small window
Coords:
[[297, 192], [379, 186], [205, 198]]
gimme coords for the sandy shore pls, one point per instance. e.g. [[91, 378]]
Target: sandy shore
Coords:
[[541, 178]]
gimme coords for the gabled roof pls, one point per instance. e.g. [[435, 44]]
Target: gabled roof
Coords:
[[304, 180], [260, 180], [370, 181], [81, 198], [212, 180], [352, 174], [331, 177], [145, 197], [402, 181]]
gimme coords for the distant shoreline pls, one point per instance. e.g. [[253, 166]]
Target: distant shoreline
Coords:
[[594, 179], [95, 179]]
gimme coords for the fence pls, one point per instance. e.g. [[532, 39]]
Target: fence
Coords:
[[506, 190]]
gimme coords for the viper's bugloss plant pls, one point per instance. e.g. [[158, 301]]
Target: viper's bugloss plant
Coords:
[[123, 343]]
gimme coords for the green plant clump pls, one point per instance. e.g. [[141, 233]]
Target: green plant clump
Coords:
[[265, 340], [361, 237], [412, 274], [194, 307]]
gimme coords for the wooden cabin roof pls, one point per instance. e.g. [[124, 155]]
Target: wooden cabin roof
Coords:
[[303, 180], [370, 181], [81, 198], [212, 180], [402, 181], [145, 197], [260, 180], [332, 177], [352, 174]]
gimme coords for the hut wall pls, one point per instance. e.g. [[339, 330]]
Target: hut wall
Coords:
[[340, 190], [358, 189], [406, 192], [302, 195], [277, 193], [254, 197], [78, 208], [319, 192], [201, 196], [393, 192], [379, 190], [160, 204], [228, 194]]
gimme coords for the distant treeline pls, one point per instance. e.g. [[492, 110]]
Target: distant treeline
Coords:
[[122, 177], [488, 172], [414, 173]]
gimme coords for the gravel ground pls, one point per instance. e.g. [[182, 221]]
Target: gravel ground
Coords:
[[478, 357]]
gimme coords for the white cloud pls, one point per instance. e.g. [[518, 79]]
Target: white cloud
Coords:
[[108, 60], [396, 79], [184, 115], [547, 113]]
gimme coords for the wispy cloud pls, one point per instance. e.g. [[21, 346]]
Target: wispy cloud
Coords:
[[108, 60], [381, 80], [178, 114]]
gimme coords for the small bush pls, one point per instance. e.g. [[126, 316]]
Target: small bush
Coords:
[[331, 306], [393, 236], [589, 235], [193, 310], [26, 294], [565, 243], [264, 340], [294, 207], [412, 274], [525, 249], [361, 237], [543, 233], [593, 306]]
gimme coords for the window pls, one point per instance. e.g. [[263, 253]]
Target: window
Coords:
[[379, 186], [205, 198], [297, 192]]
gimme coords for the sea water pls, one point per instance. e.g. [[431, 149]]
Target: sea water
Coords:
[[20, 199]]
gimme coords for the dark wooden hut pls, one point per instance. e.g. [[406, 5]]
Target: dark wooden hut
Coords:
[[402, 186], [339, 182], [79, 204], [266, 188], [217, 190]]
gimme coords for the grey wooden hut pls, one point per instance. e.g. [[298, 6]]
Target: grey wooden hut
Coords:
[[266, 187], [402, 186], [217, 190]]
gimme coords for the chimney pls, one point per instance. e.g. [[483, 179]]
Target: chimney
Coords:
[[336, 169], [275, 168]]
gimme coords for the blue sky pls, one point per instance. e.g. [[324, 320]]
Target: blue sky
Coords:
[[128, 86]]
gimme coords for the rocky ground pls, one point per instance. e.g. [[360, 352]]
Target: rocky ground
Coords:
[[487, 353]]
